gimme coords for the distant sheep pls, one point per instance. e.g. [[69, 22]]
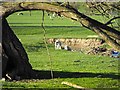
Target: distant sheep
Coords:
[[20, 13], [58, 44], [67, 48]]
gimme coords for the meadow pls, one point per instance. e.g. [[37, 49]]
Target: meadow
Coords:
[[90, 71]]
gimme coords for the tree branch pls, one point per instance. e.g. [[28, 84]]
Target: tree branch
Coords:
[[110, 21], [68, 12]]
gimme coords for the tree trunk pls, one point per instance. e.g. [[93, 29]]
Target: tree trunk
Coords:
[[15, 60]]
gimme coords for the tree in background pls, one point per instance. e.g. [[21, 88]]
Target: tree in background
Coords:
[[106, 9]]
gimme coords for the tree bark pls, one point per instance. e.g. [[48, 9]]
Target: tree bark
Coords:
[[15, 60]]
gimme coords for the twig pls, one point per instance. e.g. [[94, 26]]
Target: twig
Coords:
[[8, 77], [110, 21], [75, 86], [42, 24]]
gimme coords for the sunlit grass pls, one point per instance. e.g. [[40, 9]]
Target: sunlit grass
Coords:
[[90, 71]]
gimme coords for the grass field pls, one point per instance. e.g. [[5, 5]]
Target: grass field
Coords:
[[91, 71]]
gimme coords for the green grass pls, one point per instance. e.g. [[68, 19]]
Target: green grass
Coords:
[[91, 71], [36, 18]]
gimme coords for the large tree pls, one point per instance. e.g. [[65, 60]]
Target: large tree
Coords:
[[15, 60]]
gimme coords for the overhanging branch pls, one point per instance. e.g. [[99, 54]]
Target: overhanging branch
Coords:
[[110, 21], [66, 11]]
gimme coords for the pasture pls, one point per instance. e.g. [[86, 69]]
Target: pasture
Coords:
[[90, 71]]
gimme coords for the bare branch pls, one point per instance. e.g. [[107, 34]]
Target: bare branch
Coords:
[[110, 21]]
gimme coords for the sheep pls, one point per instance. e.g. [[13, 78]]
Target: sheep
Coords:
[[20, 13], [58, 44]]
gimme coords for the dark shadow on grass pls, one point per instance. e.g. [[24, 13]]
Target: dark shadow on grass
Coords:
[[36, 47], [60, 74], [45, 26]]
